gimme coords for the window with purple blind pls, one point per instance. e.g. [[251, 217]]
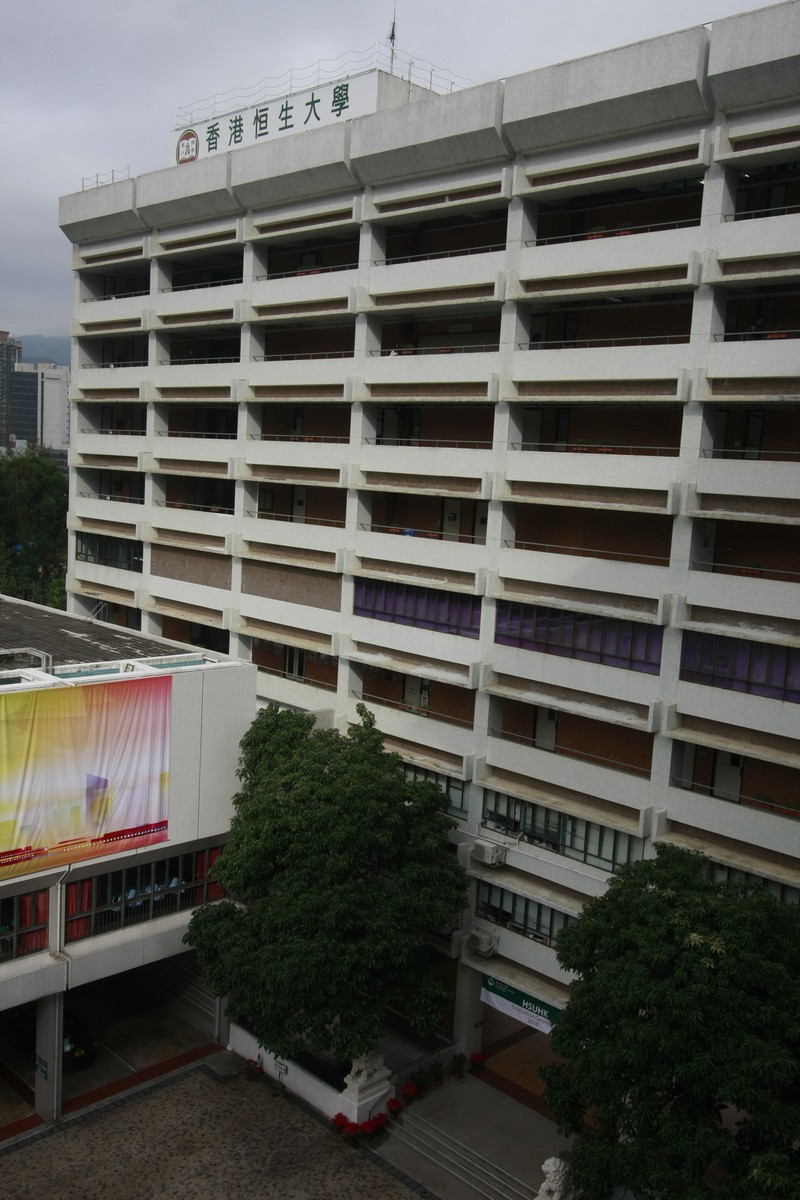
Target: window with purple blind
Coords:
[[425, 608], [741, 666], [631, 645]]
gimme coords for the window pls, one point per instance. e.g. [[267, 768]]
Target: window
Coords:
[[783, 892], [520, 914], [139, 893], [586, 841], [23, 924], [424, 608], [108, 551], [456, 790], [741, 666], [612, 641]]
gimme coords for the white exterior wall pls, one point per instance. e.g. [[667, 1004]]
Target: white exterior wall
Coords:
[[648, 114]]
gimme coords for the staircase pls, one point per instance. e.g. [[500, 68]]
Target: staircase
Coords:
[[484, 1178]]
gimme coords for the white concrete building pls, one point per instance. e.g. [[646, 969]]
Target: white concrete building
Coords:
[[117, 779], [484, 409], [40, 409]]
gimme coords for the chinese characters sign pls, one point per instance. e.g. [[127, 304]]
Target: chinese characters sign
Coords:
[[326, 104]]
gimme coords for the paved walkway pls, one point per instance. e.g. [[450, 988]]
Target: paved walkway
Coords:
[[195, 1136], [489, 1123]]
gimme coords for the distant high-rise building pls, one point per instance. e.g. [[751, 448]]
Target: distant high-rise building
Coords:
[[10, 352], [38, 411]]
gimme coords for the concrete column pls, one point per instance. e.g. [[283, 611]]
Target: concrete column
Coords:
[[49, 1060], [468, 1022]]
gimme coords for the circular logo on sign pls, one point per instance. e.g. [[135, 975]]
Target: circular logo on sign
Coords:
[[188, 146]]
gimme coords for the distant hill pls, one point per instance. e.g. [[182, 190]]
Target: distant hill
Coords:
[[37, 348]]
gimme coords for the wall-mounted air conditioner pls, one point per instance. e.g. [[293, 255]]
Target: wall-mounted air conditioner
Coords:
[[488, 853], [482, 942]]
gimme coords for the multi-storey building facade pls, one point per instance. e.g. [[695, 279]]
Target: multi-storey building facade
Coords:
[[39, 407], [483, 410], [10, 353]]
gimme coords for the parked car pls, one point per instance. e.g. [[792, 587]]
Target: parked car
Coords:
[[79, 1046]]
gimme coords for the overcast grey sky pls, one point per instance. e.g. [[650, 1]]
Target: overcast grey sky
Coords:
[[91, 86]]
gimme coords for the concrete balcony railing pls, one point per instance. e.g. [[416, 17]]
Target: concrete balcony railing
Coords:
[[633, 357], [220, 452], [425, 278], [420, 551], [297, 451], [753, 358], [634, 692], [112, 445], [634, 467], [568, 266], [465, 460], [742, 709], [456, 364], [580, 569], [302, 287], [759, 478], [745, 590], [739, 242], [618, 785], [197, 301], [414, 726], [92, 313], [311, 535], [332, 369]]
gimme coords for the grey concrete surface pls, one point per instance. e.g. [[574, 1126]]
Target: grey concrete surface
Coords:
[[195, 1135]]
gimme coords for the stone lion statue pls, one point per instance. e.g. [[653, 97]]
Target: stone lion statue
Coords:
[[556, 1180]]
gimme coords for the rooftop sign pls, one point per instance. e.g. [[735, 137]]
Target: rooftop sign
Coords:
[[325, 104]]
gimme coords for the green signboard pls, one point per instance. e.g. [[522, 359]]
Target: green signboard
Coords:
[[517, 1004]]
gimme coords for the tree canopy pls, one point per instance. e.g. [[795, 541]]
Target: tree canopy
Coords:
[[336, 864], [681, 1037], [33, 528]]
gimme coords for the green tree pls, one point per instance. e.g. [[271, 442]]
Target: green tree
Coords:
[[681, 1038], [338, 864], [33, 528]]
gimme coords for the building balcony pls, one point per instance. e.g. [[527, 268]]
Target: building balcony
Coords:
[[589, 777], [297, 451], [294, 537], [759, 480], [601, 465], [184, 452], [86, 442], [326, 290], [451, 365], [635, 357], [318, 369], [753, 248], [742, 356], [412, 725], [464, 459], [199, 521], [94, 314], [594, 262], [745, 589], [473, 274], [565, 566], [411, 551], [207, 304], [598, 689], [741, 709], [746, 832]]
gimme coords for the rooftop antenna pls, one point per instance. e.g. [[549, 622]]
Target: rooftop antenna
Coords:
[[393, 38]]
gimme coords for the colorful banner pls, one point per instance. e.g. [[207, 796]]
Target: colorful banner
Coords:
[[517, 1004], [83, 772]]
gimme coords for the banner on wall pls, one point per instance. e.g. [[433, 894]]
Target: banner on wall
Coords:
[[83, 772], [517, 1004]]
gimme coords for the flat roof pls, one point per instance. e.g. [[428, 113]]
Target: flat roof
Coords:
[[69, 639]]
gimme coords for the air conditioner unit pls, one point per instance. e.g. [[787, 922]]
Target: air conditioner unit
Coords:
[[482, 942], [488, 853]]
